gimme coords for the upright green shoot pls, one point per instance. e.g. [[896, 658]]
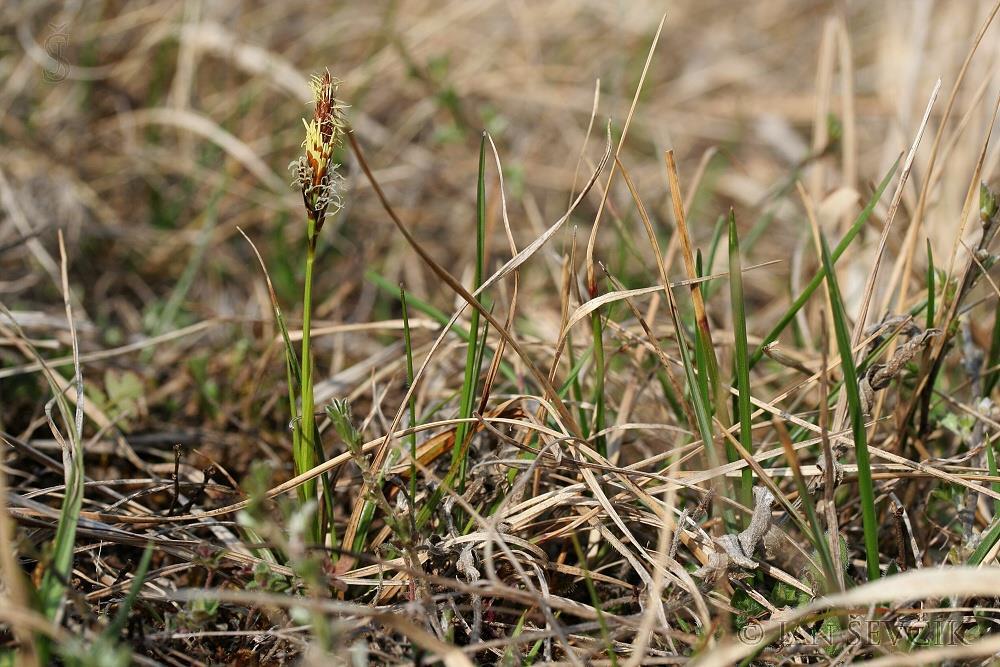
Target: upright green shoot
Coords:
[[713, 249], [121, 617], [991, 466], [468, 396], [573, 381], [868, 517], [741, 357], [408, 344], [316, 175], [305, 457], [601, 443], [293, 379], [53, 587]]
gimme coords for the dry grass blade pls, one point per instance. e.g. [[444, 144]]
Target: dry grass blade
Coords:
[[697, 298]]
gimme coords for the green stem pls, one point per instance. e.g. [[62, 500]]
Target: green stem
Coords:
[[467, 401], [305, 458], [601, 444], [413, 400]]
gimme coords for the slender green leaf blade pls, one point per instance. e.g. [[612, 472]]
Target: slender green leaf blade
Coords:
[[865, 486], [740, 354]]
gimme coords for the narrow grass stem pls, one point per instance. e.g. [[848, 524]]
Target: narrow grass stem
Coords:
[[601, 443], [408, 343], [305, 457], [472, 352]]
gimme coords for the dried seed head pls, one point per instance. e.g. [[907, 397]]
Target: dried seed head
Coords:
[[903, 355], [878, 376], [774, 352], [867, 392], [890, 324]]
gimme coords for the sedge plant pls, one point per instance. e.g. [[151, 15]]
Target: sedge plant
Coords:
[[317, 176]]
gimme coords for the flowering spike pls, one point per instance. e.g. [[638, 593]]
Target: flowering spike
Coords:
[[314, 173]]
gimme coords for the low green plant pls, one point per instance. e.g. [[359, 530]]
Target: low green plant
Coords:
[[317, 176]]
